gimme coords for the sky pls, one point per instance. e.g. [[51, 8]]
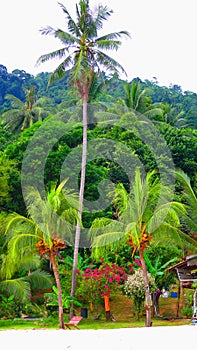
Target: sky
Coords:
[[162, 44]]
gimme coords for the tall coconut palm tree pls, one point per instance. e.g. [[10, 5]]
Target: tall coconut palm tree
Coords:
[[145, 213], [46, 231], [84, 53]]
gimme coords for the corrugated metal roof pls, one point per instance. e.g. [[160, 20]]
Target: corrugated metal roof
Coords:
[[186, 270]]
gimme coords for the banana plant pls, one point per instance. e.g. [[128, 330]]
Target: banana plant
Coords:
[[158, 270], [67, 300]]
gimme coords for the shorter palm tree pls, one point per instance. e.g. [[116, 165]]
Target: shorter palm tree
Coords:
[[174, 116], [144, 214], [138, 100], [23, 114], [189, 197], [46, 232]]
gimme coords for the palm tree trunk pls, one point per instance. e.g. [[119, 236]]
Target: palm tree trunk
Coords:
[[57, 280], [81, 196], [147, 291]]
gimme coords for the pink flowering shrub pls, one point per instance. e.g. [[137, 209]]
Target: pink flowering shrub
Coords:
[[95, 283]]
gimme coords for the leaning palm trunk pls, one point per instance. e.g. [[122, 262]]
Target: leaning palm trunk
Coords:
[[57, 280], [81, 196], [147, 291]]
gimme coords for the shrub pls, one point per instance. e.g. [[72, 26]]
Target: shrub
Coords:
[[134, 287]]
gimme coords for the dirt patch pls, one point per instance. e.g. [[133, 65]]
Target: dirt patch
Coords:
[[121, 307]]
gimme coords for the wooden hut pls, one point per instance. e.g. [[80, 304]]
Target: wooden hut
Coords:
[[186, 271]]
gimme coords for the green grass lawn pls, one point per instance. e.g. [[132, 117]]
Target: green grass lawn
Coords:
[[52, 323]]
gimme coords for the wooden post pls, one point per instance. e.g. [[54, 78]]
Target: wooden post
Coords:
[[91, 306], [178, 301], [107, 307]]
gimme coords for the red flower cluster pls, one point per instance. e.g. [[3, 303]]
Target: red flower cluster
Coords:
[[105, 278]]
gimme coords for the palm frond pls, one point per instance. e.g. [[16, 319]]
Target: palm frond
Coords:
[[188, 193], [19, 287], [131, 227], [60, 186], [15, 220], [47, 30], [59, 72], [106, 117], [102, 14], [72, 26], [159, 217], [167, 234], [81, 67], [53, 195], [105, 225], [108, 62], [21, 236], [13, 119], [140, 193], [153, 112], [168, 212], [108, 44], [105, 242], [128, 98], [188, 242], [29, 262], [40, 279], [71, 217], [55, 54], [121, 198], [8, 267], [189, 224], [66, 38], [15, 101], [70, 200], [112, 36], [178, 207], [22, 243], [189, 198]]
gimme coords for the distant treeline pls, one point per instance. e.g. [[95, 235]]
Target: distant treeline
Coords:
[[15, 83]]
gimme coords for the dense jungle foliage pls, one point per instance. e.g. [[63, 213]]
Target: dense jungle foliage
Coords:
[[173, 112], [51, 117]]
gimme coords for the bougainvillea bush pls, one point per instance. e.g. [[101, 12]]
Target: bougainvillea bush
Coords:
[[134, 288], [95, 283]]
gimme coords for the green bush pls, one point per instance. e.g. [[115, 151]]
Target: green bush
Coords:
[[187, 311], [8, 307]]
